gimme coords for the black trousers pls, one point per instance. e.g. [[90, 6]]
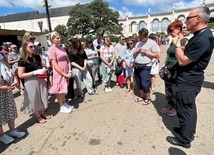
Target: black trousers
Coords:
[[187, 112], [70, 93]]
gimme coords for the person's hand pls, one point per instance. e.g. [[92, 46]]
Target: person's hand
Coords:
[[109, 64], [142, 50], [7, 88], [130, 65], [83, 69], [39, 71], [15, 83], [68, 75]]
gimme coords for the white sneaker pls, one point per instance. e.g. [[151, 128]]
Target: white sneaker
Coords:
[[68, 106], [64, 109], [6, 139], [106, 90], [15, 133], [109, 88]]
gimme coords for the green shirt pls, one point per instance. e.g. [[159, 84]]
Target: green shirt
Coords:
[[171, 60]]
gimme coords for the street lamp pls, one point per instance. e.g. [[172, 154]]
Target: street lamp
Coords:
[[203, 2], [46, 5], [40, 23]]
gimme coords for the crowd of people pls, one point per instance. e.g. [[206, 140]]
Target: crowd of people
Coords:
[[56, 70]]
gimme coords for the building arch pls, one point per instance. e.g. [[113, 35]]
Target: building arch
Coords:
[[155, 25], [182, 18], [164, 24], [133, 27], [142, 24]]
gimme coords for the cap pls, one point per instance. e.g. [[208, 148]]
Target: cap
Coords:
[[37, 43], [13, 46], [152, 35], [89, 40]]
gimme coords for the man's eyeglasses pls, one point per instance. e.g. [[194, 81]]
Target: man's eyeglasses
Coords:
[[130, 43], [31, 46], [123, 39], [189, 17]]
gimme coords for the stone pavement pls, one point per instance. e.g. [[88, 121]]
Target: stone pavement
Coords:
[[112, 123]]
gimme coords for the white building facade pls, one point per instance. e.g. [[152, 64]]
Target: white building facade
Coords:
[[59, 16]]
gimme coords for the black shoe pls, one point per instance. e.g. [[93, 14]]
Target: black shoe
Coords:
[[175, 141], [177, 130]]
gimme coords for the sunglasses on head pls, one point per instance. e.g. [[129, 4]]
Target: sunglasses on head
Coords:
[[32, 39]]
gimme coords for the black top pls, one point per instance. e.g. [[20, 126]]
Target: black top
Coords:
[[38, 50], [77, 58], [33, 65], [199, 49]]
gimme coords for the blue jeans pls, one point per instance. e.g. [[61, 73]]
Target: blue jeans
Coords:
[[143, 78], [85, 75]]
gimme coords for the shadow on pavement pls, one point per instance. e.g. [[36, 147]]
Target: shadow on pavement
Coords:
[[22, 127], [168, 121], [207, 84], [176, 151]]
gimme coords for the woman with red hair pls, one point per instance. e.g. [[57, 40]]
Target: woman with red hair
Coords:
[[174, 30]]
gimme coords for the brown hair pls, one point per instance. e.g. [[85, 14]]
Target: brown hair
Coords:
[[177, 24], [132, 40], [143, 32], [107, 38], [27, 36], [25, 51], [74, 46]]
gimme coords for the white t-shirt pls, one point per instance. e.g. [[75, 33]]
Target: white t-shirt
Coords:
[[96, 43], [90, 52], [107, 53], [150, 46]]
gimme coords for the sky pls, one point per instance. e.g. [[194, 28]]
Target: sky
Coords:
[[124, 7]]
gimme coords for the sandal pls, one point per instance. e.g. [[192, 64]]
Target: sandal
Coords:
[[139, 99], [45, 116], [147, 101], [128, 90], [41, 120]]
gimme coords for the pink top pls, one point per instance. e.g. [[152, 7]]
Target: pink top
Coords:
[[60, 83]]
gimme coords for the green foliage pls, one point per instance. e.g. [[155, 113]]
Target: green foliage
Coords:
[[211, 20], [210, 25], [161, 34], [92, 18], [63, 31]]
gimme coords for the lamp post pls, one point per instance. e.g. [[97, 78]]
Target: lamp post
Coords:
[[40, 25], [203, 2], [46, 5]]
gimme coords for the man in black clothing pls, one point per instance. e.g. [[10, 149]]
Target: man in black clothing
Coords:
[[192, 61]]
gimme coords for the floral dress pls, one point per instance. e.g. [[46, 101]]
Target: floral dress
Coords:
[[8, 111]]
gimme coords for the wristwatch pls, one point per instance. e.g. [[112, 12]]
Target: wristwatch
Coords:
[[177, 45]]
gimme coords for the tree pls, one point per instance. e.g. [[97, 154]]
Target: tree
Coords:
[[80, 20], [63, 31], [92, 18], [161, 34]]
